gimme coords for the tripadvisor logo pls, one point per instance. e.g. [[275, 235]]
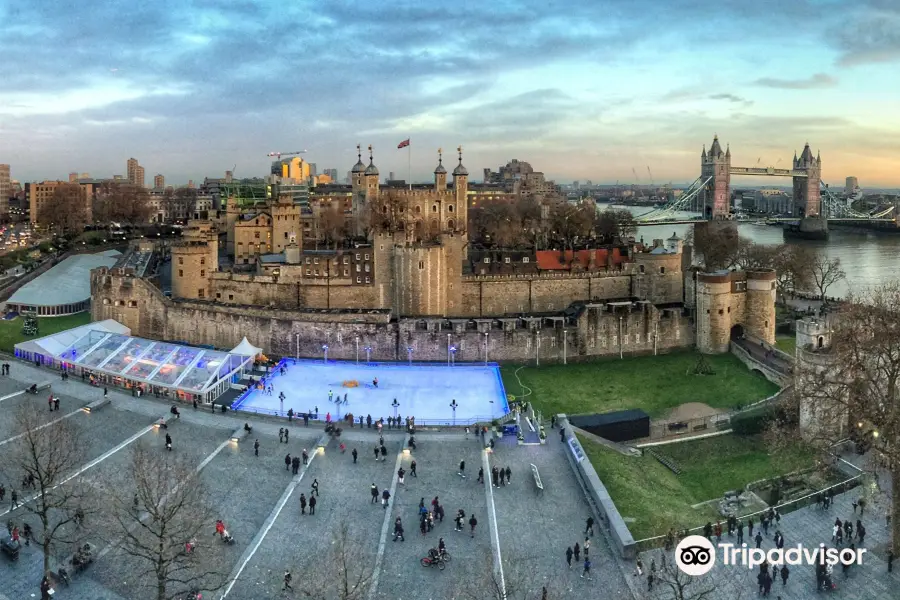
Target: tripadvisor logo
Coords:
[[695, 555]]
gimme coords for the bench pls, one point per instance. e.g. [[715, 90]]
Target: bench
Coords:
[[537, 478], [96, 405]]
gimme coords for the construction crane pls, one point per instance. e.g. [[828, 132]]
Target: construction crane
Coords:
[[652, 185], [278, 155], [637, 181]]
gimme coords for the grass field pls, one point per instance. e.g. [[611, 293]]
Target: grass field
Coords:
[[652, 383], [657, 499], [787, 343], [11, 331]]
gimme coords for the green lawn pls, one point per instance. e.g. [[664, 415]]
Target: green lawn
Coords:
[[787, 343], [11, 331], [657, 499], [652, 383]]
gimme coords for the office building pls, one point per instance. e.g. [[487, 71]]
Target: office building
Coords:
[[850, 186], [6, 190], [159, 182]]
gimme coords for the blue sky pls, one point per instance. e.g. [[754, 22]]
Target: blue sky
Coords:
[[582, 89]]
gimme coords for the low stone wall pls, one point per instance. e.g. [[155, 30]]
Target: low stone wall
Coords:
[[597, 494], [769, 373]]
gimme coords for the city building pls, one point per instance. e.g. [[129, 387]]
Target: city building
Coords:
[[131, 166], [159, 182], [333, 173], [6, 190], [851, 185], [520, 179], [139, 177]]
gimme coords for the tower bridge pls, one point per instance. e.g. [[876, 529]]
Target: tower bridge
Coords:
[[712, 191]]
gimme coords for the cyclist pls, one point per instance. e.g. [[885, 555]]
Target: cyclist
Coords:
[[442, 547]]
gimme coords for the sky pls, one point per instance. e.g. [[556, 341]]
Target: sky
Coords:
[[581, 89]]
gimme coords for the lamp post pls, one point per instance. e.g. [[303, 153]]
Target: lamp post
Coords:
[[537, 350], [485, 348], [452, 355], [565, 344], [357, 349], [454, 405], [368, 350], [325, 351], [298, 346], [395, 406], [448, 349], [409, 351]]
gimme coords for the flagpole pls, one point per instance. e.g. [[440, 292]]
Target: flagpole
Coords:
[[409, 164]]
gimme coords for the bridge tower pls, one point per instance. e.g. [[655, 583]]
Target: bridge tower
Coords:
[[807, 192], [717, 193]]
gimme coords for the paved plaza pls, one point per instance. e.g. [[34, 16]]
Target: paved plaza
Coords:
[[259, 501]]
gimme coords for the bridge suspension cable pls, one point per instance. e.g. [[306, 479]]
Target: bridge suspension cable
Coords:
[[837, 208], [681, 203]]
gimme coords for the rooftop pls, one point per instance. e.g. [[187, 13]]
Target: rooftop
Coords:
[[69, 282]]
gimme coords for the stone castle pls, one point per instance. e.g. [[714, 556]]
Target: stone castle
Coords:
[[409, 285]]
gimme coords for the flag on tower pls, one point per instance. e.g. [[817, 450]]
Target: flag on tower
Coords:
[[403, 144]]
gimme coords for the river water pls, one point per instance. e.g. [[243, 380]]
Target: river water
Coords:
[[868, 258]]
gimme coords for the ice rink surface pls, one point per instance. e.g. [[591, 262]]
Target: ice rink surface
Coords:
[[422, 390]]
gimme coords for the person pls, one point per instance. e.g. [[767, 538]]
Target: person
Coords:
[[248, 429], [315, 487], [354, 454], [412, 442], [400, 474], [587, 568], [462, 469], [174, 411], [480, 475], [45, 588], [472, 523], [220, 528], [56, 403], [508, 474], [569, 556], [305, 457], [433, 554], [256, 447], [398, 530], [312, 504], [589, 529], [287, 581], [385, 496], [168, 442], [412, 470], [375, 383], [442, 547]]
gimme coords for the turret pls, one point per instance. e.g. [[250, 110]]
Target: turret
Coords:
[[440, 174], [461, 191], [357, 175], [359, 169], [371, 178]]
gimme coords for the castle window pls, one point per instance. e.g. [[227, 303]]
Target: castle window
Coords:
[[418, 210], [506, 260], [118, 303], [358, 268], [308, 272], [421, 264], [662, 270], [367, 268], [450, 224], [434, 208], [180, 272], [202, 273], [180, 260], [317, 272], [346, 272], [367, 280], [358, 280], [346, 260], [357, 257], [721, 312], [526, 260], [231, 296], [256, 234], [285, 235], [201, 293], [218, 295], [315, 261], [307, 260], [449, 208], [487, 260], [641, 268], [202, 261], [132, 303], [729, 310], [367, 256]]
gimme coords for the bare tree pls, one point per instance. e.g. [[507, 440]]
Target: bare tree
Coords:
[[852, 386], [122, 202], [332, 224], [522, 580], [179, 205], [680, 586], [615, 224], [68, 211], [825, 272], [716, 244], [170, 507], [48, 456], [346, 572]]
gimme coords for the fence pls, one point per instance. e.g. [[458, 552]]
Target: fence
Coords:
[[783, 508]]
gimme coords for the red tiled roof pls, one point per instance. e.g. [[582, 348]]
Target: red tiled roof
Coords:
[[554, 260]]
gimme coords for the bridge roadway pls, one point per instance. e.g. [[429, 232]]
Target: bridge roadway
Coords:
[[645, 223]]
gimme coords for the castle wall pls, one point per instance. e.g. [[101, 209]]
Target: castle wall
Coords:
[[727, 300], [144, 309]]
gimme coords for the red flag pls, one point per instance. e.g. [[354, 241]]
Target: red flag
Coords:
[[403, 144]]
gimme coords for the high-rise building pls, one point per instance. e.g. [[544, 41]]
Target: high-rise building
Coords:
[[159, 182], [392, 176], [131, 168], [312, 170], [333, 173], [139, 176], [6, 189], [850, 186], [73, 177]]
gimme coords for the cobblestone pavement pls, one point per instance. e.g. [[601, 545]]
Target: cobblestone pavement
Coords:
[[259, 502]]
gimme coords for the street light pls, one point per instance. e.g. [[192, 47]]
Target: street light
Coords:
[[448, 349], [368, 350], [298, 345], [357, 349], [325, 350], [452, 355], [485, 347], [454, 405], [565, 342], [409, 351], [395, 405]]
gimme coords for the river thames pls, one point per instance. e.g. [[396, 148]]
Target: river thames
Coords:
[[868, 259]]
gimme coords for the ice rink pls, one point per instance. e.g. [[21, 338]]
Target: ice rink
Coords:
[[422, 390]]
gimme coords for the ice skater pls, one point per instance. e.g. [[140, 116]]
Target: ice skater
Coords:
[[375, 383]]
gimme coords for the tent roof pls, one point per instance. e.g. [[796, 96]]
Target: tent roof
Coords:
[[56, 343], [245, 348]]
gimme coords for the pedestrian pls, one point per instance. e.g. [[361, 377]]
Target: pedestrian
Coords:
[[168, 442], [586, 548], [502, 476], [14, 500], [480, 475], [412, 469], [758, 539], [56, 403], [578, 552], [862, 506], [312, 504], [569, 556], [105, 392], [467, 432], [287, 434], [369, 421], [290, 414], [587, 568], [472, 523], [355, 454], [315, 487], [890, 561], [740, 532], [374, 490], [280, 434], [423, 524], [50, 402], [256, 447], [508, 474], [287, 581], [398, 530], [302, 504], [385, 496], [650, 581], [785, 572], [305, 457], [750, 528], [295, 465], [400, 474], [383, 453], [287, 462], [377, 452], [589, 529], [462, 469], [495, 477]]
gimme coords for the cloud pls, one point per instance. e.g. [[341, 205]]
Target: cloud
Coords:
[[819, 80], [730, 98]]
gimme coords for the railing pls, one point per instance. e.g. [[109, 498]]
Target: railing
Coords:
[[485, 419]]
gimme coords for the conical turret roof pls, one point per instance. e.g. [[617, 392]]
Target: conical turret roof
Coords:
[[359, 167]]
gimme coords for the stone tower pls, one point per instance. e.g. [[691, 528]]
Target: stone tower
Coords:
[[807, 194], [358, 188], [440, 174], [732, 304], [370, 176], [822, 413], [759, 317], [717, 193], [461, 208], [194, 259]]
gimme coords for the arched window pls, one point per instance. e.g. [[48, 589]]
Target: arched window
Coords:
[[434, 208], [450, 224], [449, 208], [418, 209], [641, 268]]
